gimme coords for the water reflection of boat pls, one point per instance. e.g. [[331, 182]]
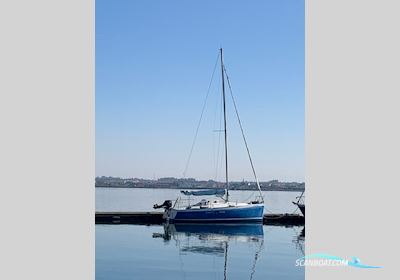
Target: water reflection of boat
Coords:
[[215, 239], [300, 240], [228, 230]]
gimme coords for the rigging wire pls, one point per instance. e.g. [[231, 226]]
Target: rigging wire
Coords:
[[217, 151], [217, 167], [250, 196], [253, 268], [201, 117], [214, 137], [244, 138]]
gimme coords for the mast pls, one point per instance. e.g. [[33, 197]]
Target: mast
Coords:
[[225, 132]]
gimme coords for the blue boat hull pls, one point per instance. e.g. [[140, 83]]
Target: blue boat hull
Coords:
[[250, 213]]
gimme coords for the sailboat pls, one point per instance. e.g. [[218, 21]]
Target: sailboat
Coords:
[[216, 210]]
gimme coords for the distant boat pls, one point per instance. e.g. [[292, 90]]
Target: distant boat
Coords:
[[217, 210], [300, 203]]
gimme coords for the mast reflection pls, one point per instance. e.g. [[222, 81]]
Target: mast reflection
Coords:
[[215, 240]]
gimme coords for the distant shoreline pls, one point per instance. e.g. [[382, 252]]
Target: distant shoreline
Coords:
[[193, 184], [273, 189]]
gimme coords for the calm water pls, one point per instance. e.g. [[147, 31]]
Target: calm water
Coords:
[[194, 251], [124, 199]]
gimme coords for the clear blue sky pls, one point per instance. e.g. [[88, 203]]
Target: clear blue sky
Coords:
[[154, 60]]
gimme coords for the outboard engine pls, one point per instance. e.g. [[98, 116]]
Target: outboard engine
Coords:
[[166, 205]]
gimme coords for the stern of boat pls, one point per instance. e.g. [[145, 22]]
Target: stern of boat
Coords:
[[169, 214]]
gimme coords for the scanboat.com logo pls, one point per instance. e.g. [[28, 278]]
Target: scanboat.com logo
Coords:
[[329, 260]]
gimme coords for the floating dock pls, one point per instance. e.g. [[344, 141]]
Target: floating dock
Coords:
[[156, 218]]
